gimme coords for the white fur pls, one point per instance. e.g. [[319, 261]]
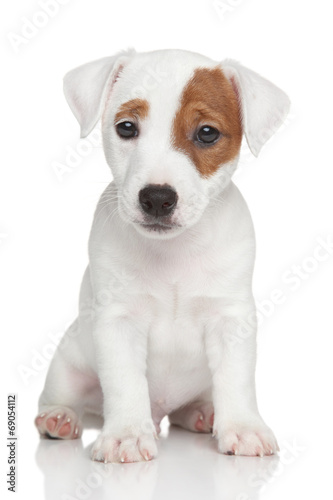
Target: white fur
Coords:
[[162, 315]]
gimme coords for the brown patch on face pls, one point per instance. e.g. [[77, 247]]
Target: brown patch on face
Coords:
[[208, 99], [135, 109]]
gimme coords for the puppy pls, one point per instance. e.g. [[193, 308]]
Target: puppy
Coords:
[[166, 322]]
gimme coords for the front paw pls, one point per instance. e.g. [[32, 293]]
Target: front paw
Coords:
[[246, 439], [109, 448]]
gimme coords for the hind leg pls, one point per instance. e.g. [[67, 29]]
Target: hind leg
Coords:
[[58, 422], [197, 416], [68, 392]]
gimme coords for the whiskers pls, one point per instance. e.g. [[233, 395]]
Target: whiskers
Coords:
[[109, 202], [109, 217], [218, 201]]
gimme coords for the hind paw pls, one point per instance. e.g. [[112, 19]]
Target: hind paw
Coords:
[[58, 422], [197, 417]]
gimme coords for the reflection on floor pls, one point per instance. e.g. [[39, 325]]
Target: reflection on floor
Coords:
[[188, 466]]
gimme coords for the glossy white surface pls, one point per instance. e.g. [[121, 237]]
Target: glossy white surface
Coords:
[[188, 466]]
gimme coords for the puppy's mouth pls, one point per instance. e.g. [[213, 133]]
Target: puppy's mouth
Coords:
[[158, 226]]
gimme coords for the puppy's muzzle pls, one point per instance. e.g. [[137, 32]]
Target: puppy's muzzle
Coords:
[[158, 201]]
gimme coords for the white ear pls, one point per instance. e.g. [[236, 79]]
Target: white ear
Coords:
[[86, 88], [263, 105]]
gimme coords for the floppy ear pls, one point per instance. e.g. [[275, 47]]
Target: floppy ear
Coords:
[[86, 88], [263, 105]]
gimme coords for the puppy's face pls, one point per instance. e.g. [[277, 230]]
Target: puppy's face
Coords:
[[172, 134], [172, 124]]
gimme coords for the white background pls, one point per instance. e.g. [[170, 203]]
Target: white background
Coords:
[[45, 223]]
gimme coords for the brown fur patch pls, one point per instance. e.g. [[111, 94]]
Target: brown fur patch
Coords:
[[208, 99], [134, 109]]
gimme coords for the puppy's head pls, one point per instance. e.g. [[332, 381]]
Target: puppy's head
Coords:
[[172, 126]]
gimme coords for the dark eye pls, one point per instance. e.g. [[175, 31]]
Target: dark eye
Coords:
[[127, 130], [207, 135]]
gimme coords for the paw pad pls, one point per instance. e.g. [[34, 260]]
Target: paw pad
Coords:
[[58, 422]]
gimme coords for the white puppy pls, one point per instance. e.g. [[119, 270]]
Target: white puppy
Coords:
[[166, 324]]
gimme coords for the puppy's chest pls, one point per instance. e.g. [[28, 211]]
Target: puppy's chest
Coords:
[[179, 308], [177, 297], [174, 303], [179, 285], [173, 299], [177, 317], [177, 359]]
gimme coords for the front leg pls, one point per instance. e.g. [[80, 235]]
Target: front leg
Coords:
[[231, 351], [128, 432]]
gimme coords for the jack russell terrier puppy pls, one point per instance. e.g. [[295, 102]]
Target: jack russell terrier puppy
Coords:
[[166, 322]]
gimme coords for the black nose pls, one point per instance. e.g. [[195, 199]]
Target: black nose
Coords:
[[157, 200]]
